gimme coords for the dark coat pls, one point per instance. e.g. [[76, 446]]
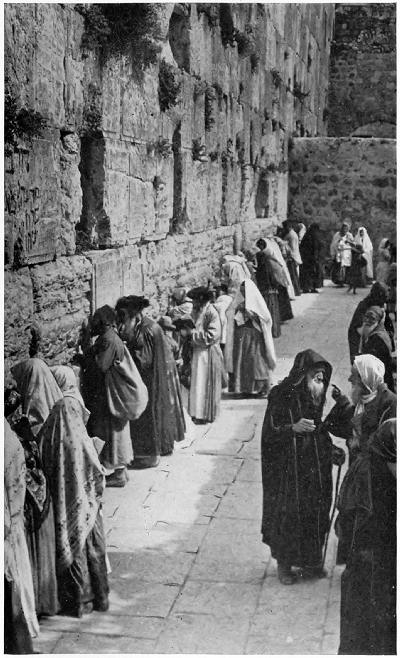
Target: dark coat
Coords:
[[296, 470]]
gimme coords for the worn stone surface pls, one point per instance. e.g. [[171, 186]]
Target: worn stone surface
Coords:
[[332, 179], [362, 75]]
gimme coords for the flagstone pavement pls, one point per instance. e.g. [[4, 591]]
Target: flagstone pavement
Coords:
[[189, 571]]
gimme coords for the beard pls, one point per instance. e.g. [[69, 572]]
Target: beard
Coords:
[[355, 394], [317, 391]]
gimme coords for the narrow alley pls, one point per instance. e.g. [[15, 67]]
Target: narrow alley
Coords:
[[189, 571]]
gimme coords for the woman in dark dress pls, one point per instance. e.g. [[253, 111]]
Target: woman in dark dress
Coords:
[[355, 272], [268, 286], [311, 255]]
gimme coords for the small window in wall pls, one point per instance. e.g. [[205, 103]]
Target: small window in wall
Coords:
[[179, 37]]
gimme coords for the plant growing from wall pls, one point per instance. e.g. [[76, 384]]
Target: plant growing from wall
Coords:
[[200, 87], [276, 78], [22, 123], [161, 147], [169, 85], [121, 29], [211, 11], [246, 41], [199, 151], [297, 93], [209, 100], [254, 61], [92, 113]]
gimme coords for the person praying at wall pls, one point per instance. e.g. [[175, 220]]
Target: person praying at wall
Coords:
[[207, 360], [114, 393], [76, 480], [311, 254], [253, 349], [162, 423]]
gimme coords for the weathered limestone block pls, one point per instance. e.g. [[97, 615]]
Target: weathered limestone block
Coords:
[[106, 277], [18, 314], [61, 303]]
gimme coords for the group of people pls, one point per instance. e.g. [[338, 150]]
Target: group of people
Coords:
[[298, 456], [137, 386]]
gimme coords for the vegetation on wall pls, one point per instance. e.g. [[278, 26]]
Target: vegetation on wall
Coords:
[[226, 25], [246, 41], [169, 85], [92, 113], [22, 123], [211, 12], [276, 78], [132, 28], [209, 99]]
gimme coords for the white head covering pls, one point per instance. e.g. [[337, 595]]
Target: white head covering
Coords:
[[66, 380], [364, 240], [371, 371], [255, 304], [38, 389]]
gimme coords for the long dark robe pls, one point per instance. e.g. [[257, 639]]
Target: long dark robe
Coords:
[[113, 431], [375, 298], [162, 423], [296, 470], [367, 515], [311, 254], [378, 344], [268, 287], [292, 267]]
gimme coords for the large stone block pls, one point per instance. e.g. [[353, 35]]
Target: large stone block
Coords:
[[18, 314]]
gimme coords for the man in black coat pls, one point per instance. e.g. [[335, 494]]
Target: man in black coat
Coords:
[[297, 468]]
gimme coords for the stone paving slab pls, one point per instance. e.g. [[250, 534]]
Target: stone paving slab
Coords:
[[91, 643], [218, 599], [203, 634], [132, 597], [152, 566]]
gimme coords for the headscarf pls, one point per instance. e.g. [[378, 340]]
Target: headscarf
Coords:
[[372, 372], [282, 273], [106, 315], [75, 477], [255, 305], [66, 380], [364, 240], [38, 388]]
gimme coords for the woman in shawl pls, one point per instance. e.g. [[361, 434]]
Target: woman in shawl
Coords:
[[253, 349], [20, 621], [362, 238], [207, 359], [162, 422], [375, 340], [311, 254], [39, 392], [297, 468], [76, 480], [355, 277]]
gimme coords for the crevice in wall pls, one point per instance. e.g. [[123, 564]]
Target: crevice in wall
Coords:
[[261, 203], [179, 37], [93, 229]]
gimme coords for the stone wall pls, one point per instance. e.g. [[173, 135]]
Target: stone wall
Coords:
[[118, 194], [362, 86], [332, 179]]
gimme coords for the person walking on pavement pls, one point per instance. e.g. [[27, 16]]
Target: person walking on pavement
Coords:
[[297, 469]]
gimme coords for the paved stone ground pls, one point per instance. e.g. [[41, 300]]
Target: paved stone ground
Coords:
[[189, 571]]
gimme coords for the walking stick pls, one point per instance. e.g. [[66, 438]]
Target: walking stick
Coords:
[[332, 515]]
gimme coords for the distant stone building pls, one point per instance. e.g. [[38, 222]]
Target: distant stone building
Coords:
[[352, 173]]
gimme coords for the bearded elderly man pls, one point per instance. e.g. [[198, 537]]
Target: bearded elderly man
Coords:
[[297, 469]]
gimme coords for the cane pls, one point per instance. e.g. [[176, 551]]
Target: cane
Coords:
[[333, 514]]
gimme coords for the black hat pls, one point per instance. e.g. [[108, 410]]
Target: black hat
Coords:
[[184, 322], [201, 293], [132, 303]]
